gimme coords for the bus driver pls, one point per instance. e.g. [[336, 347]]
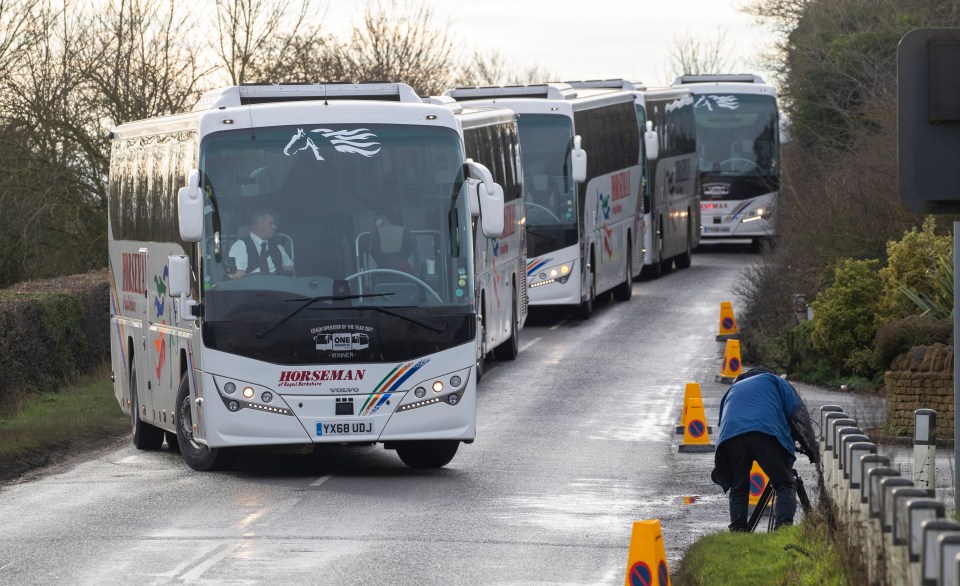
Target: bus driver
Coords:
[[259, 252]]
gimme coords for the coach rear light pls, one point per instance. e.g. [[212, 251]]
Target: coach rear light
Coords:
[[453, 399], [233, 405], [437, 386], [248, 392], [455, 381], [420, 392], [229, 388], [266, 397]]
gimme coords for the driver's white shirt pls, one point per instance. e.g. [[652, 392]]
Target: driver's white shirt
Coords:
[[239, 253]]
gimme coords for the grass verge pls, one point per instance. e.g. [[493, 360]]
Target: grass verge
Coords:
[[52, 425], [803, 554]]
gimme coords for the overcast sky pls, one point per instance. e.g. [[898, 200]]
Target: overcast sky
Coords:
[[591, 39]]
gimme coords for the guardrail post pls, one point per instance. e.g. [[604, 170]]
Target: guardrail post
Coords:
[[935, 551], [925, 449], [901, 532], [918, 511], [859, 451], [888, 567], [874, 517], [839, 447], [828, 459]]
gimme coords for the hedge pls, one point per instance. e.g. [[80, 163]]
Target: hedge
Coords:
[[50, 332]]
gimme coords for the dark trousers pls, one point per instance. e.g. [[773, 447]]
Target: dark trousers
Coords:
[[735, 458]]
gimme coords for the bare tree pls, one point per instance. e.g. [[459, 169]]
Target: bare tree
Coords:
[[492, 68], [693, 55], [246, 27], [309, 57], [54, 164], [16, 31], [397, 41], [145, 64]]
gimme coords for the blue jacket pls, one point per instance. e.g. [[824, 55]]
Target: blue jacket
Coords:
[[766, 403]]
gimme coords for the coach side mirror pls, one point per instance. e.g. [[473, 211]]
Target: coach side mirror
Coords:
[[578, 159], [487, 195], [178, 267], [190, 208], [651, 142]]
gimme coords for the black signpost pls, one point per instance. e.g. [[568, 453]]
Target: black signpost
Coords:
[[928, 149]]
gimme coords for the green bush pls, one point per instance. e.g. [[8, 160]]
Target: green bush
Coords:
[[845, 314], [913, 264], [898, 336], [51, 331]]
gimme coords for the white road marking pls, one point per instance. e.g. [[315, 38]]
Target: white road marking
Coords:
[[211, 561], [530, 343], [4, 567], [558, 324]]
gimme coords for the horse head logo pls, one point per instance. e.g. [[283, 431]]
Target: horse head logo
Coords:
[[357, 142]]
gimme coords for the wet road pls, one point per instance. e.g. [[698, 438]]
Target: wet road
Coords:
[[575, 441]]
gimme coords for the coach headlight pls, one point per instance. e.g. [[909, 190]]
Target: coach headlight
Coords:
[[753, 216], [553, 274]]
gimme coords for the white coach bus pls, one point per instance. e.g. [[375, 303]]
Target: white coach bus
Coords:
[[491, 139], [672, 197], [355, 321], [581, 175], [670, 206], [739, 136]]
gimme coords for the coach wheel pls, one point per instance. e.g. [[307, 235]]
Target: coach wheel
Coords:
[[683, 261], [624, 291], [585, 309], [198, 456], [510, 348], [428, 453], [145, 436]]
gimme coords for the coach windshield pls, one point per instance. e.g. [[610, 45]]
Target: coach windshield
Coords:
[[550, 198], [331, 228]]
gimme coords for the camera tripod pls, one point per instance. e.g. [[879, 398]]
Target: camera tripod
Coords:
[[769, 497]]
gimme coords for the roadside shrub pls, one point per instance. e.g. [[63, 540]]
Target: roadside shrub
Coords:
[[913, 264], [51, 331], [845, 313], [899, 336]]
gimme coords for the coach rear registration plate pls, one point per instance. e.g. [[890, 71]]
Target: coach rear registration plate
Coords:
[[344, 428]]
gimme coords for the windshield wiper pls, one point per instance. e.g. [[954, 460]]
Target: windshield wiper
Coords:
[[412, 320], [308, 302]]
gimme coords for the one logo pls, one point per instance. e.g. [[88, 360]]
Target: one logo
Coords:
[[342, 341], [355, 142]]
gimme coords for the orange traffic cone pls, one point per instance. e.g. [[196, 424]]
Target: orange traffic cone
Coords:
[[731, 363], [647, 560], [728, 323], [696, 437], [692, 392], [758, 482]]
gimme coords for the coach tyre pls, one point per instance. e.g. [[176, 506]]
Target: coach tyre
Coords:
[[510, 348], [145, 436], [427, 453], [198, 456]]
